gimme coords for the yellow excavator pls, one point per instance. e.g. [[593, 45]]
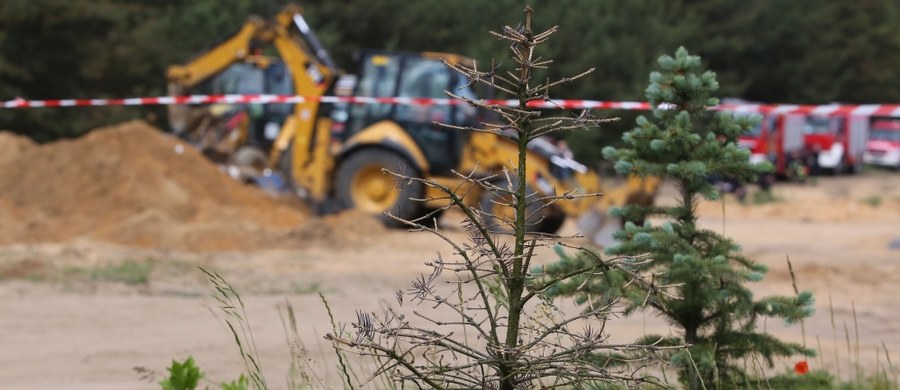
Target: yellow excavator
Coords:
[[333, 154]]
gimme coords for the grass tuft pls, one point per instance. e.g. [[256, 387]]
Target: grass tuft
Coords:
[[872, 201], [129, 272], [765, 197], [232, 305]]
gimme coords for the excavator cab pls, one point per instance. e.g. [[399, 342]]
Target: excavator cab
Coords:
[[412, 76]]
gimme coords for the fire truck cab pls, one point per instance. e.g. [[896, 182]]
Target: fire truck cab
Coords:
[[778, 139], [883, 146], [838, 141]]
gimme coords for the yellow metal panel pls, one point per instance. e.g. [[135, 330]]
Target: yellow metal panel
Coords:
[[389, 132], [635, 190], [440, 199], [492, 153], [311, 166], [285, 136], [451, 58], [379, 60], [217, 59]]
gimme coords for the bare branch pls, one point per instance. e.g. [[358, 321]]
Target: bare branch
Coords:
[[491, 292]]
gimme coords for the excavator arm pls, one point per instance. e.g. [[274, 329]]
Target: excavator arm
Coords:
[[312, 71], [307, 133], [235, 48], [305, 50]]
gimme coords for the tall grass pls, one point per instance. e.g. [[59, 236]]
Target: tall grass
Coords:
[[883, 377], [301, 374], [232, 305]]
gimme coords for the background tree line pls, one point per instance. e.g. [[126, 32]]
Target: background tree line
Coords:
[[800, 51]]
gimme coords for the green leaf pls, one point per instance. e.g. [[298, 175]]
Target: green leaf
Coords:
[[182, 376], [238, 384]]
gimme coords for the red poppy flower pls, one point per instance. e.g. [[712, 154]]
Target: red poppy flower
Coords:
[[801, 367]]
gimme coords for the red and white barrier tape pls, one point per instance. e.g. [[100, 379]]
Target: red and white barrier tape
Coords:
[[825, 110], [292, 99]]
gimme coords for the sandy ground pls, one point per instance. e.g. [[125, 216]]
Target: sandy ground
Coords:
[[79, 314]]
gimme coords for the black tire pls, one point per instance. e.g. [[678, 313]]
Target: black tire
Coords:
[[434, 220], [840, 169], [551, 223], [492, 209], [364, 166], [856, 168]]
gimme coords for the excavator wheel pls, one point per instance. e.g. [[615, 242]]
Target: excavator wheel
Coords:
[[498, 216], [361, 183], [433, 220], [551, 223]]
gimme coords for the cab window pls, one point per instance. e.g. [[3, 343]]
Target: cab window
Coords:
[[379, 79], [424, 78], [822, 125]]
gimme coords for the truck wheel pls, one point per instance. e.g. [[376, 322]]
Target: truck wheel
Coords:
[[499, 217], [840, 168], [360, 183]]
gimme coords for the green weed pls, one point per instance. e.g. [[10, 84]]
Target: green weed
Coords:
[[182, 376], [813, 380], [129, 272], [873, 200], [765, 197], [238, 384], [187, 376]]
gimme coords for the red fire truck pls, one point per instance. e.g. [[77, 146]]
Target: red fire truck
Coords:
[[778, 139], [837, 140], [883, 147]]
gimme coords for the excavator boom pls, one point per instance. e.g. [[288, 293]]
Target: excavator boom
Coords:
[[237, 65]]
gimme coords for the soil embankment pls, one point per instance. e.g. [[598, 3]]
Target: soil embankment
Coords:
[[134, 185]]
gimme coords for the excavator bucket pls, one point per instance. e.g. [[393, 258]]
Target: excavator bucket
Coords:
[[598, 226]]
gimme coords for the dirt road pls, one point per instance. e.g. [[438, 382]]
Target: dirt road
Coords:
[[82, 313]]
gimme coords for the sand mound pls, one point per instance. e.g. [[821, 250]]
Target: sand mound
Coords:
[[13, 145], [135, 185]]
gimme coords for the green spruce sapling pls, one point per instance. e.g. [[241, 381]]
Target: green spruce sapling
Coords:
[[687, 143]]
